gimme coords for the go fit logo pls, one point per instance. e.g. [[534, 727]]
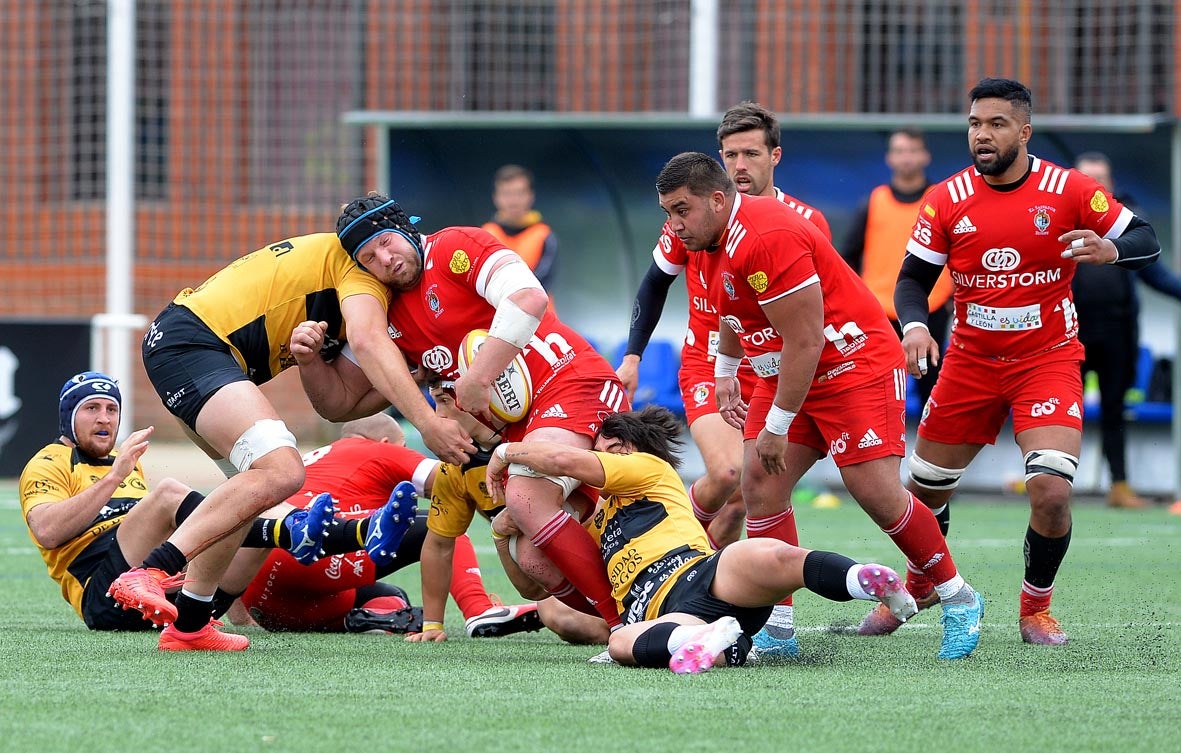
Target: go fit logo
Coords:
[[1000, 259]]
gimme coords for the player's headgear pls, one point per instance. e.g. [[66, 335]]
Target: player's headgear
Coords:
[[365, 218], [81, 389]]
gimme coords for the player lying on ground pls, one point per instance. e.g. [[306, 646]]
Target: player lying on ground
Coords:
[[369, 463], [684, 605], [91, 514]]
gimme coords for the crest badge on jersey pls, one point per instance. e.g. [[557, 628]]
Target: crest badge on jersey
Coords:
[[758, 281], [701, 393], [433, 302], [728, 285], [1099, 202], [460, 262], [1041, 219]]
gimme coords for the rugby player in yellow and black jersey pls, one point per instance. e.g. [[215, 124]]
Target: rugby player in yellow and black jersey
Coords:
[[672, 589], [208, 351], [89, 510]]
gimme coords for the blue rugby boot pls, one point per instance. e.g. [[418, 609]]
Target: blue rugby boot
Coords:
[[961, 624], [777, 639], [308, 527], [389, 524]]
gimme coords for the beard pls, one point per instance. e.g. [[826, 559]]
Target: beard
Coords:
[[1003, 161]]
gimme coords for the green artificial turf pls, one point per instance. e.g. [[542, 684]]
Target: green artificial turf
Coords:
[[1115, 687]]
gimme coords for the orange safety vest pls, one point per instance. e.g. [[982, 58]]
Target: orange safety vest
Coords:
[[528, 243], [888, 224]]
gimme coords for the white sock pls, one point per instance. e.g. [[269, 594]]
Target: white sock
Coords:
[[854, 585], [950, 588], [782, 616], [681, 635], [197, 597]]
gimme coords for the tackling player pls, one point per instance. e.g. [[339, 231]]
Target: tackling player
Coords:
[[207, 354], [449, 283], [830, 368], [748, 142], [1010, 228], [667, 580]]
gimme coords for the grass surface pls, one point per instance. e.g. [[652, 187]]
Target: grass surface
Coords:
[[1116, 686]]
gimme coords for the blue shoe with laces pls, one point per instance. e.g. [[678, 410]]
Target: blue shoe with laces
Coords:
[[961, 625], [775, 642], [308, 528], [389, 524]]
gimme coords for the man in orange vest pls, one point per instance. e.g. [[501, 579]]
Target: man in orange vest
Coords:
[[876, 241], [518, 225]]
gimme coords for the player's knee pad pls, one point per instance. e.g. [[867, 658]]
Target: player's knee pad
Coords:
[[651, 646], [931, 476], [1052, 463], [264, 437], [566, 483]]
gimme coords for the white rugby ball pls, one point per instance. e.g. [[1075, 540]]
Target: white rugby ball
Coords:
[[512, 390]]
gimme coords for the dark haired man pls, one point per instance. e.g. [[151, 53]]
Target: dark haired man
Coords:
[[1011, 228], [208, 353], [876, 240], [829, 367], [748, 142], [449, 283], [518, 225], [686, 606]]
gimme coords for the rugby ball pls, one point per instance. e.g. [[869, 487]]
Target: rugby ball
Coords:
[[512, 390]]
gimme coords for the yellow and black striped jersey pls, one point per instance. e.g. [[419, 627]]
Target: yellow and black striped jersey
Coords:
[[56, 473], [457, 495], [254, 303], [646, 531]]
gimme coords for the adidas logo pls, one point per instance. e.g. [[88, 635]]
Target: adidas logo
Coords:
[[1074, 411], [871, 439], [964, 226], [554, 411]]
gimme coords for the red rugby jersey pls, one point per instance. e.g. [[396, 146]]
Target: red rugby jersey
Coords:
[[1011, 284], [672, 257], [769, 251]]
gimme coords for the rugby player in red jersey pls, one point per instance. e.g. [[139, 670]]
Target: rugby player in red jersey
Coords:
[[748, 142], [447, 284], [1010, 228], [830, 368]]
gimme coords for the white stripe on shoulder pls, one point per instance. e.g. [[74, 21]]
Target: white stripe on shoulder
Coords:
[[813, 280], [1121, 224], [665, 265], [486, 270], [924, 253], [422, 473]]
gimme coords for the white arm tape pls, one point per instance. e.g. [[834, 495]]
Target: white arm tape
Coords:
[[911, 325], [513, 324], [726, 366], [567, 483], [779, 420], [508, 278]]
